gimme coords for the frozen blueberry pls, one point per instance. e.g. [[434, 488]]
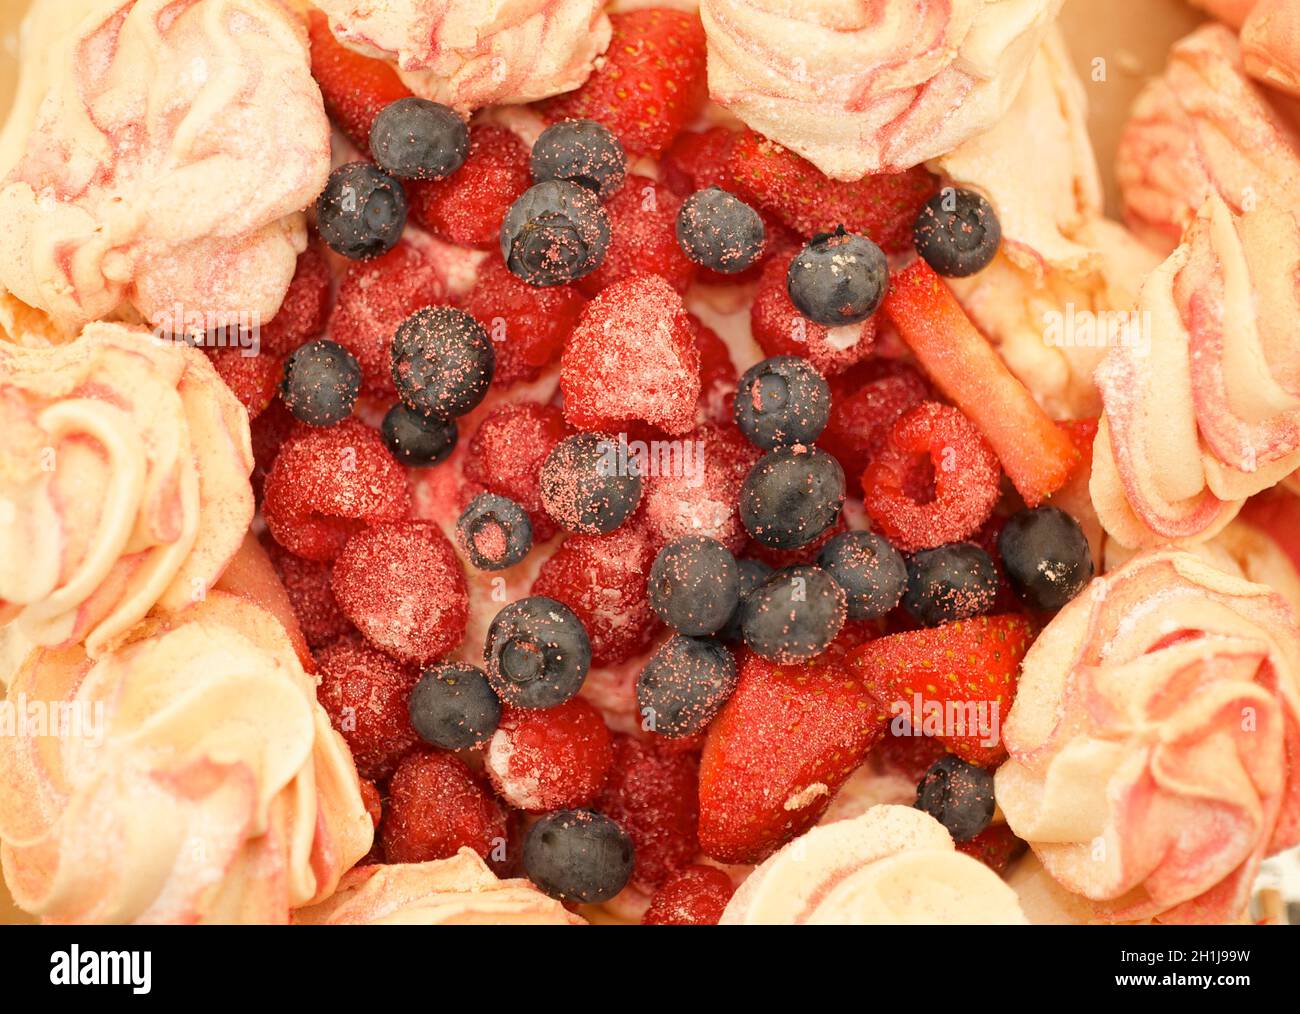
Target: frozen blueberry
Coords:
[[415, 139], [953, 582], [578, 855], [752, 574], [958, 795], [957, 232], [321, 382], [443, 361], [362, 211], [537, 653], [694, 585], [791, 496], [838, 278], [794, 614], [494, 532], [587, 487], [1046, 557], [583, 152], [557, 232], [418, 440], [782, 401], [454, 707], [684, 685], [719, 230], [872, 573]]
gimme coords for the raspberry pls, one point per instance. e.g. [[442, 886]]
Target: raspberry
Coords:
[[781, 330], [718, 375], [550, 759], [967, 479], [355, 88], [268, 433], [653, 794], [697, 161], [364, 692], [643, 227], [528, 325], [251, 379], [306, 305], [506, 454], [372, 800], [328, 483], [467, 207], [862, 411], [437, 806], [695, 896], [307, 583], [996, 846], [632, 357], [403, 586]]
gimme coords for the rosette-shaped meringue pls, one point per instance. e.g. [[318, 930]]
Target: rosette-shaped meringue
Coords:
[[159, 156], [473, 53], [892, 865], [123, 483], [1270, 44], [1155, 741], [866, 86], [1204, 411], [192, 778], [460, 891], [1203, 128]]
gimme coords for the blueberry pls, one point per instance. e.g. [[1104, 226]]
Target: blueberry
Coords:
[[838, 278], [443, 361], [794, 614], [415, 139], [321, 382], [578, 855], [556, 232], [582, 152], [684, 685], [694, 585], [586, 488], [752, 574], [494, 532], [719, 230], [958, 795], [952, 582], [537, 653], [362, 211], [418, 440], [791, 496], [782, 401], [1046, 556], [957, 232], [454, 707], [872, 573]]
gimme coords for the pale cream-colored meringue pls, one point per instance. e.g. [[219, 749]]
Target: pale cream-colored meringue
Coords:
[[1270, 44], [473, 53], [124, 483], [190, 776], [158, 159]]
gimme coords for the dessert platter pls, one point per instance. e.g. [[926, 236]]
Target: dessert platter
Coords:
[[568, 462]]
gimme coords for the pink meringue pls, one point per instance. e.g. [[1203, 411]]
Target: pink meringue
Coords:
[[1155, 741], [1270, 44]]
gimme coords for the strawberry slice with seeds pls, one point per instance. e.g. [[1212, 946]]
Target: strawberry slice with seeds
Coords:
[[355, 88]]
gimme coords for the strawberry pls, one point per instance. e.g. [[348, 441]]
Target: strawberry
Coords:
[[650, 83], [696, 896], [996, 846], [968, 662], [467, 207], [643, 238], [306, 305], [780, 749], [697, 161], [356, 88]]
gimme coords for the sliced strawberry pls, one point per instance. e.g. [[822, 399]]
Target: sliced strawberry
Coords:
[[467, 207], [643, 231], [356, 88], [696, 896], [996, 846], [306, 305]]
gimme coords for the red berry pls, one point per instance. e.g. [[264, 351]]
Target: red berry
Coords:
[[307, 583], [252, 379], [936, 444], [506, 454], [436, 806], [695, 896], [643, 228], [467, 207], [356, 88], [698, 161], [403, 586], [372, 800], [996, 846], [364, 692], [268, 432], [700, 493], [718, 374], [910, 756], [550, 759], [306, 305], [863, 412]]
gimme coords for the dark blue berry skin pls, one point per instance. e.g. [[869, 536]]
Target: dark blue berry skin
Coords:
[[415, 139], [684, 685], [872, 572], [321, 382], [454, 707], [694, 585], [958, 795], [585, 489], [781, 402], [494, 532], [362, 211], [578, 855], [791, 496], [838, 278], [719, 230], [957, 232], [1046, 557], [583, 152], [418, 440], [557, 232], [952, 582], [443, 362], [794, 614], [752, 574], [537, 653]]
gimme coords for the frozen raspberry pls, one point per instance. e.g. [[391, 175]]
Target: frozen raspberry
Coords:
[[780, 558], [718, 374], [506, 454], [436, 806], [364, 692], [550, 759], [403, 586], [695, 896], [632, 357], [643, 238], [375, 297], [328, 483], [528, 325], [356, 88], [268, 432], [467, 207], [306, 305], [307, 583], [938, 440], [251, 379], [697, 161], [863, 410], [654, 795], [602, 578]]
